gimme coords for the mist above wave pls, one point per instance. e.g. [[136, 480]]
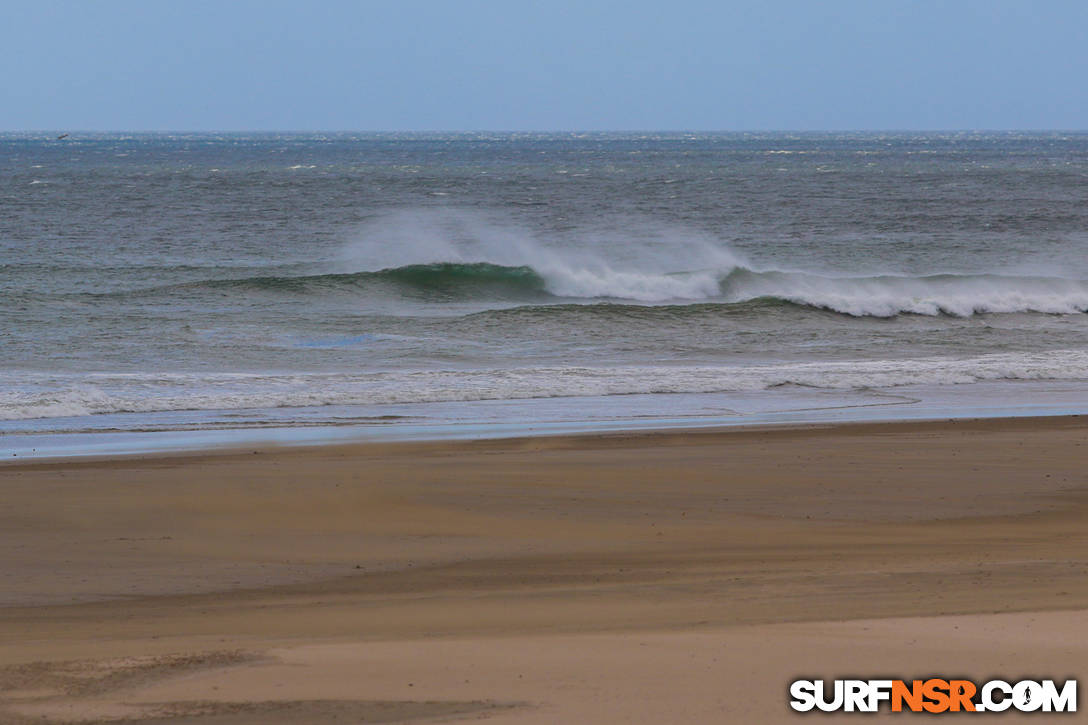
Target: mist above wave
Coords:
[[640, 259], [450, 255], [959, 295], [646, 261]]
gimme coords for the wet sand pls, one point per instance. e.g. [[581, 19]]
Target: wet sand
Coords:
[[677, 576]]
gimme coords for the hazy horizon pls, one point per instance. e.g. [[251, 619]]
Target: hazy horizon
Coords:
[[596, 65], [540, 131]]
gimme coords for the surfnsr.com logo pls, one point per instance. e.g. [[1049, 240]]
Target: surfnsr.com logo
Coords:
[[933, 695]]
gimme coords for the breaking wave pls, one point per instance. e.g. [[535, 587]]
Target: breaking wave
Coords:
[[959, 295]]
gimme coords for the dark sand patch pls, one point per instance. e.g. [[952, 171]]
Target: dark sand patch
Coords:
[[87, 678], [296, 712]]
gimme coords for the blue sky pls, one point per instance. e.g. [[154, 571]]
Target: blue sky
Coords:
[[559, 65]]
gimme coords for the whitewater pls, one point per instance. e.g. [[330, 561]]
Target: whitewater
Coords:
[[60, 396], [218, 281], [877, 296]]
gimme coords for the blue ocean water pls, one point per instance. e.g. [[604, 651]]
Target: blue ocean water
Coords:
[[248, 280]]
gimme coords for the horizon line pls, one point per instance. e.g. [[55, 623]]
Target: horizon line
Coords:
[[540, 131]]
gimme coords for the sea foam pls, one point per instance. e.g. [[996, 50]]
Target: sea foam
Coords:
[[37, 396]]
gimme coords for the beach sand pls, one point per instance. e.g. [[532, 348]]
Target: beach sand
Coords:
[[674, 576]]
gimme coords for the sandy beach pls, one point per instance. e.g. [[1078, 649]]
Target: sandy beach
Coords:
[[673, 576]]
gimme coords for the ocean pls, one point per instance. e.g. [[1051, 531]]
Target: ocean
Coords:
[[160, 283]]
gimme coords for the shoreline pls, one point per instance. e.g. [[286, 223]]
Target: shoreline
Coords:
[[136, 433], [576, 435]]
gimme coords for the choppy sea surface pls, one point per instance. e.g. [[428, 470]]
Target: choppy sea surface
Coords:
[[249, 281]]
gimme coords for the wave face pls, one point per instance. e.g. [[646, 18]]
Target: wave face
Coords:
[[960, 295], [437, 281], [481, 281]]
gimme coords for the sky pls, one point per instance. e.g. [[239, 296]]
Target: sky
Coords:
[[524, 65]]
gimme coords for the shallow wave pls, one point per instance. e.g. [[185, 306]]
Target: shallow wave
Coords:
[[49, 396], [650, 313], [959, 295]]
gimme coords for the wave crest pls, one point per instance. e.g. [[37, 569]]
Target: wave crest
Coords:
[[960, 295]]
